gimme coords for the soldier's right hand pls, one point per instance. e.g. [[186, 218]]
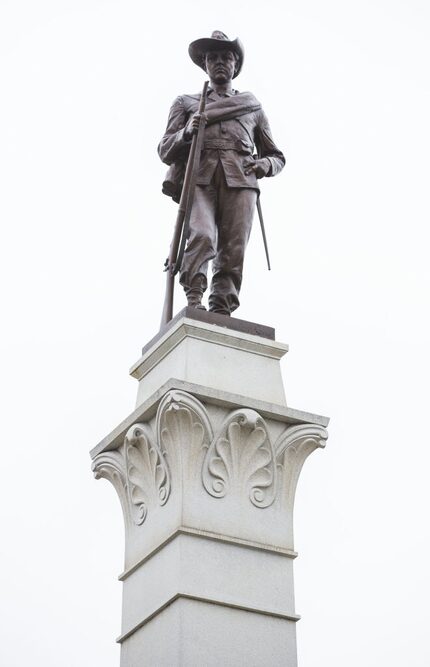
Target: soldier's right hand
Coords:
[[193, 124]]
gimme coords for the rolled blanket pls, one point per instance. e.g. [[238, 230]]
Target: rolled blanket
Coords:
[[227, 107]]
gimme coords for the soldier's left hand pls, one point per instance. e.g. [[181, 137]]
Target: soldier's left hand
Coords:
[[259, 167]]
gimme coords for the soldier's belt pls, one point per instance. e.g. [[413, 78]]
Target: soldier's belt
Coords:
[[228, 146]]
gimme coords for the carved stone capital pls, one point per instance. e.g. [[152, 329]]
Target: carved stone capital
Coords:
[[227, 472]]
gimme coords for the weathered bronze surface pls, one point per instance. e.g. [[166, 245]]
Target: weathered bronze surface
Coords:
[[226, 182]]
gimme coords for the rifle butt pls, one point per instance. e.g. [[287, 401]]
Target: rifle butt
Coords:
[[167, 313]]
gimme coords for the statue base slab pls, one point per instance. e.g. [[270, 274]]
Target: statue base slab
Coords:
[[216, 351]]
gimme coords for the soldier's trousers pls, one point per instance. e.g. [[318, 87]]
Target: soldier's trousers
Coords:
[[220, 225]]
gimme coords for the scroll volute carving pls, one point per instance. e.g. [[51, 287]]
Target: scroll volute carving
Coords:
[[138, 472], [292, 449], [110, 465], [241, 460]]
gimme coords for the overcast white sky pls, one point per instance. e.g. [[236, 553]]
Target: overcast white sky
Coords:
[[85, 89]]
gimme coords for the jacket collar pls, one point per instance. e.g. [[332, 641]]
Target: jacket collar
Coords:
[[213, 96]]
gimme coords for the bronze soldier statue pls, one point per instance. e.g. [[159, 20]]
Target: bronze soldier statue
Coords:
[[226, 188]]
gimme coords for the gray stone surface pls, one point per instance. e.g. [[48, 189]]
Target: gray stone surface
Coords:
[[215, 357], [206, 478], [194, 633], [240, 576]]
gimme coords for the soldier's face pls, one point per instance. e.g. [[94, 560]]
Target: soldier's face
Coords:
[[220, 65]]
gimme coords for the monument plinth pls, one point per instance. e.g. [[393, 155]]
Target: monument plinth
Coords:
[[206, 469]]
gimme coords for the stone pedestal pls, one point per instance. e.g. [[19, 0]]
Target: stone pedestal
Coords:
[[206, 469]]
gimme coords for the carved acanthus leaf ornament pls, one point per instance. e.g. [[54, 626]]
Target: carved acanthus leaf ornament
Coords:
[[148, 478], [184, 432], [241, 460]]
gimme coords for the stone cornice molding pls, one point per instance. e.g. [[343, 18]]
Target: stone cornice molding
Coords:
[[221, 603], [146, 410]]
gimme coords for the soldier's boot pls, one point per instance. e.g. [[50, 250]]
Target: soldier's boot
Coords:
[[194, 299], [195, 291]]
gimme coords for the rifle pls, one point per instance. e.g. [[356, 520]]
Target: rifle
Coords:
[[180, 234]]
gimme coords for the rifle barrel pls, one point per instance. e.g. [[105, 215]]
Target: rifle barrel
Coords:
[[184, 209]]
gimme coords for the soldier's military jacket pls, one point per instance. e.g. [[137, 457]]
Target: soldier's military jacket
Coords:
[[237, 126]]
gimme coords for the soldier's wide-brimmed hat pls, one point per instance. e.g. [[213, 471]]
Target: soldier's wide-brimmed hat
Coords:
[[218, 40]]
